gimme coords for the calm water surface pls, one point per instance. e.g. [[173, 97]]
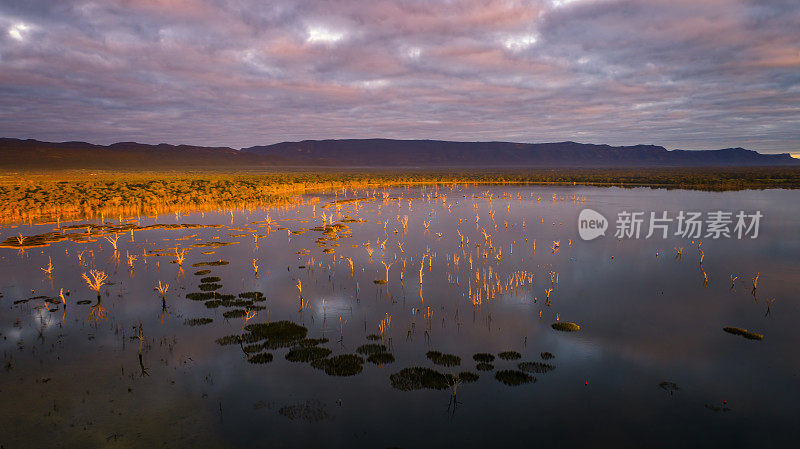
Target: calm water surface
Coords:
[[72, 375]]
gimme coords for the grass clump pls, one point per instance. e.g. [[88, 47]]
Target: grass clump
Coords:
[[483, 357], [200, 296], [255, 296], [264, 357], [417, 378], [371, 348], [210, 279], [669, 386], [312, 341], [535, 367], [513, 377], [255, 347], [228, 340], [209, 287], [307, 353], [277, 331], [483, 366], [381, 358], [547, 356], [510, 355], [443, 359], [202, 272], [235, 313], [374, 337], [743, 332], [565, 326], [198, 321], [216, 263], [340, 365], [467, 377]]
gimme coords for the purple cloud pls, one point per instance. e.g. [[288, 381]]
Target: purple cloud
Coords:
[[679, 73]]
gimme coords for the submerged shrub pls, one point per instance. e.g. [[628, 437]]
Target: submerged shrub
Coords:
[[484, 357], [198, 321], [209, 287], [307, 353], [467, 377], [312, 341], [484, 366], [264, 357], [371, 348], [381, 358], [277, 332], [442, 359], [669, 386], [228, 340], [510, 355], [235, 313], [513, 377], [200, 296], [535, 367], [251, 295], [417, 378], [743, 332], [340, 365], [565, 326]]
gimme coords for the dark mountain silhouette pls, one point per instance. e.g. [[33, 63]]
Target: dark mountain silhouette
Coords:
[[16, 153], [386, 152]]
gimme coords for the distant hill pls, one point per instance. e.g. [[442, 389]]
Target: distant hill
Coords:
[[33, 154], [387, 152]]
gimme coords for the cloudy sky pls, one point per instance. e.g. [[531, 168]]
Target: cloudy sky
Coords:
[[688, 74]]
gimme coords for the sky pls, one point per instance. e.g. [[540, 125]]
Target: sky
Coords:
[[690, 74]]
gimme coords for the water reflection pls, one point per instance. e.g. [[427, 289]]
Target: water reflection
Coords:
[[367, 319]]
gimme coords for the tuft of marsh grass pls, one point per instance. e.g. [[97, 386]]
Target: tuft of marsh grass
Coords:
[[467, 377], [484, 357], [442, 359], [743, 332], [307, 353], [565, 326], [381, 358], [513, 377], [198, 321], [340, 365], [535, 367], [417, 378], [510, 355], [371, 348], [264, 357]]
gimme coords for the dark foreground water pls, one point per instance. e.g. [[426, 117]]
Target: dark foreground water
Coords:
[[651, 365]]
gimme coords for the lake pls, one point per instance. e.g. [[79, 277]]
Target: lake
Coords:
[[456, 347]]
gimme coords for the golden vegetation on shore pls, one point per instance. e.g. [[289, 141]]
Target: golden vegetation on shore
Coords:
[[66, 195]]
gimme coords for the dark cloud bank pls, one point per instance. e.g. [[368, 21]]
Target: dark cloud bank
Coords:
[[683, 74]]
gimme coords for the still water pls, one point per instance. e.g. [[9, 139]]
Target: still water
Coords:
[[650, 366]]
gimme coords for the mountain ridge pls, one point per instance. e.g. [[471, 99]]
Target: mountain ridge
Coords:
[[31, 153]]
